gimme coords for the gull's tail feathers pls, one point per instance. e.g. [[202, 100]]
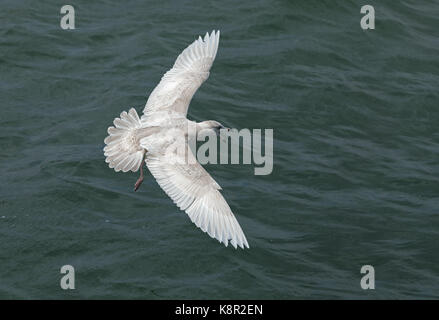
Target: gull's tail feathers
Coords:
[[122, 148]]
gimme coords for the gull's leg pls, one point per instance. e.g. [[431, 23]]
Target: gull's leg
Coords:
[[140, 180]]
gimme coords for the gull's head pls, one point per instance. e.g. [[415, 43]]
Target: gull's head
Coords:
[[210, 125]]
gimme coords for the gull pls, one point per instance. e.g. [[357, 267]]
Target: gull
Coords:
[[158, 136]]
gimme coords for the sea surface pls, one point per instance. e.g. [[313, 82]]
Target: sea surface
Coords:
[[356, 150]]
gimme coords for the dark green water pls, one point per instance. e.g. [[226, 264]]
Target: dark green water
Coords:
[[356, 148]]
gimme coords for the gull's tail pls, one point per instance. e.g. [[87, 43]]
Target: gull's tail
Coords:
[[123, 151]]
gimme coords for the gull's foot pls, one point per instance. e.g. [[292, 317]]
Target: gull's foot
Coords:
[[138, 183]]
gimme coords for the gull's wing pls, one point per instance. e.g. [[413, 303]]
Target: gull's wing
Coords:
[[178, 85], [193, 190]]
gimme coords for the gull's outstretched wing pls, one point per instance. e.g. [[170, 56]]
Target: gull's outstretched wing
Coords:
[[176, 88], [193, 190]]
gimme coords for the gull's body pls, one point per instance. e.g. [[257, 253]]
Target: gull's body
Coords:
[[163, 128]]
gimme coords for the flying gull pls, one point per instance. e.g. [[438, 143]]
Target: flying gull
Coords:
[[156, 136]]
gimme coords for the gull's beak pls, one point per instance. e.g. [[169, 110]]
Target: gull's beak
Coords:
[[222, 132]]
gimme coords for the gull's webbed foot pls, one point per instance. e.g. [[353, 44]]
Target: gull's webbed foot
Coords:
[[140, 180], [138, 183]]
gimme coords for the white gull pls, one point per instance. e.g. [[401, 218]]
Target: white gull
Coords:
[[149, 139]]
